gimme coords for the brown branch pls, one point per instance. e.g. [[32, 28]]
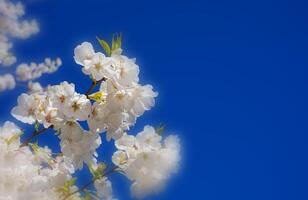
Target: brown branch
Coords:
[[93, 85], [34, 134]]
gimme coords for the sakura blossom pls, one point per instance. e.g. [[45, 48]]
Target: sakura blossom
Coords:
[[23, 173], [7, 82], [14, 24], [32, 71], [109, 108], [147, 160]]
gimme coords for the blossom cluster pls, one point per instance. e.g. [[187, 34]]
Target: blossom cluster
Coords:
[[123, 99], [32, 71], [146, 159], [61, 107], [12, 26], [7, 82], [29, 173], [79, 119], [34, 87]]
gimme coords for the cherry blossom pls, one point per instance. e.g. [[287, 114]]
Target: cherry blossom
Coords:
[[111, 106]]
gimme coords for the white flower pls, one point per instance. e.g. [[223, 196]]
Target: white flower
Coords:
[[7, 82], [103, 119], [121, 108], [99, 66], [83, 52], [78, 107], [126, 70], [148, 138], [120, 158], [116, 124], [104, 188], [125, 142], [98, 117], [146, 160], [118, 68], [61, 94], [25, 111], [71, 131], [48, 116], [143, 99], [81, 151], [42, 155], [172, 142], [35, 87], [120, 100], [170, 154], [58, 103], [10, 133]]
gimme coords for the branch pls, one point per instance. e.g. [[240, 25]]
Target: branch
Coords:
[[91, 182], [94, 83], [34, 134]]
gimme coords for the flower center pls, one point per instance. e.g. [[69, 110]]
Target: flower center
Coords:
[[75, 106]]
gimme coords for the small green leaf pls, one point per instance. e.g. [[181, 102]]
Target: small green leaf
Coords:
[[36, 126], [116, 42], [101, 167], [70, 182], [87, 196], [160, 129], [105, 46], [90, 195], [66, 188], [34, 146], [98, 96], [14, 138], [113, 43], [99, 171]]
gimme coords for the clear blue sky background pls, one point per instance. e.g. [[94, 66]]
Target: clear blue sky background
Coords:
[[232, 78]]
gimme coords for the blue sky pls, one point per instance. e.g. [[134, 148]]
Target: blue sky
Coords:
[[231, 77]]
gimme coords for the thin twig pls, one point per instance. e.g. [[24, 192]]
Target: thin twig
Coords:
[[94, 83], [34, 134]]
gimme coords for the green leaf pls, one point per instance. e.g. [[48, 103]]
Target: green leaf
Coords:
[[66, 188], [35, 147], [70, 182], [105, 46], [101, 167], [87, 196], [14, 138], [160, 129], [90, 195], [113, 43], [116, 42], [99, 171], [98, 96], [36, 126]]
